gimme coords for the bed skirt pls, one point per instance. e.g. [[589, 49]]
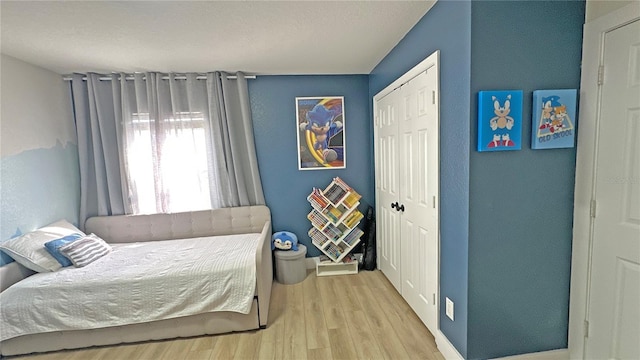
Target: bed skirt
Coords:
[[188, 326]]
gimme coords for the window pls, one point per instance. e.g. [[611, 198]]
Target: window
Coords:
[[167, 163]]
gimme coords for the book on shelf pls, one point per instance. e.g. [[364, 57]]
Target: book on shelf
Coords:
[[335, 194], [342, 184], [316, 198], [352, 199], [317, 237], [333, 213], [334, 251], [353, 218], [317, 219], [332, 229], [353, 236]]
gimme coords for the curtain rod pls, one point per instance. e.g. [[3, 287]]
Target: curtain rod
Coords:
[[106, 78]]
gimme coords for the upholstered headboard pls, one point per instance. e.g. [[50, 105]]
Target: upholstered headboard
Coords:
[[134, 228]]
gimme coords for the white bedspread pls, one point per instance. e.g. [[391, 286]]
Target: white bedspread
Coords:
[[136, 283]]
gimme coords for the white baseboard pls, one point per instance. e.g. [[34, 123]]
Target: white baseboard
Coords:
[[446, 348], [560, 354]]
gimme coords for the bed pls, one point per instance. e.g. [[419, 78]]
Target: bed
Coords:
[[171, 238]]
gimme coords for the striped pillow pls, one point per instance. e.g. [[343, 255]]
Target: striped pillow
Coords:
[[84, 251]]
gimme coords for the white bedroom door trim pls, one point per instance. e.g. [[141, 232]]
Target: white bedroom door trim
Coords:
[[590, 98]]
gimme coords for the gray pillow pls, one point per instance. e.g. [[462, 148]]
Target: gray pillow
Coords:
[[83, 252]]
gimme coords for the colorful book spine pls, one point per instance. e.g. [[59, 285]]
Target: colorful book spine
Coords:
[[317, 200], [353, 236], [335, 193], [353, 219], [317, 219], [342, 184], [333, 251], [333, 213], [317, 238], [331, 216], [332, 232], [352, 199]]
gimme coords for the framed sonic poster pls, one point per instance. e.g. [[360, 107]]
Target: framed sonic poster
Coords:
[[321, 139], [499, 120], [553, 123]]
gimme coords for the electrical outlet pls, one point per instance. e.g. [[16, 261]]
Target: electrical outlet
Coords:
[[449, 308]]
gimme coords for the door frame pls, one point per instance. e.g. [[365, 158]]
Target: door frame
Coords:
[[590, 98], [428, 62]]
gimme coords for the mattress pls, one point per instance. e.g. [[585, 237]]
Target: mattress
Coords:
[[136, 283]]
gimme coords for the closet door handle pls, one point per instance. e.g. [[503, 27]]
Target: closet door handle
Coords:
[[397, 206]]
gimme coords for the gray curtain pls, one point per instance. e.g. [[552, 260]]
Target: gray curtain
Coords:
[[115, 118], [101, 191], [232, 135]]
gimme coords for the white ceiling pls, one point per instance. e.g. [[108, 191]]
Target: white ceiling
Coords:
[[260, 37]]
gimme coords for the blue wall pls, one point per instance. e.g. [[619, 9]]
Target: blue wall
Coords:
[[446, 27], [274, 119], [38, 187], [521, 202]]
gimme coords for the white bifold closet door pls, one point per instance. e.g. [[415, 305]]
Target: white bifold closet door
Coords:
[[407, 191]]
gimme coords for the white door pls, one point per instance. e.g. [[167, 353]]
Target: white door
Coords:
[[387, 193], [418, 190], [407, 173], [613, 310]]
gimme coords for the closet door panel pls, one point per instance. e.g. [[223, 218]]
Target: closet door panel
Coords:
[[414, 196], [387, 188]]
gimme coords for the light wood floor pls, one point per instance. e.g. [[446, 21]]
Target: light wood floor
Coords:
[[335, 317]]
